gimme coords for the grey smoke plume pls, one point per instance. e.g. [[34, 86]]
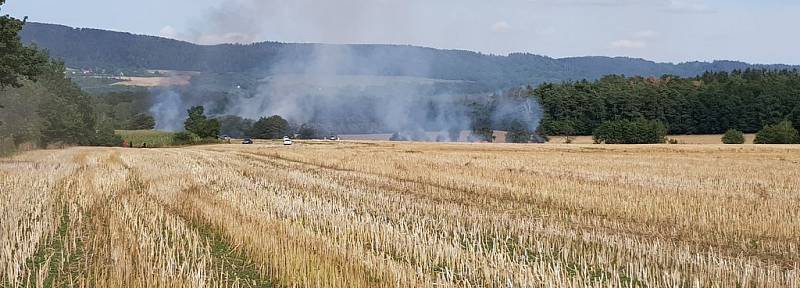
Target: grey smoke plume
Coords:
[[515, 105], [335, 87], [331, 86], [169, 111]]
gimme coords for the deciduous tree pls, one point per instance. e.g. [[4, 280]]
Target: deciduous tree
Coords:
[[17, 62], [198, 124], [273, 127]]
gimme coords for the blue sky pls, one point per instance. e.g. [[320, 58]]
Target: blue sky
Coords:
[[660, 30]]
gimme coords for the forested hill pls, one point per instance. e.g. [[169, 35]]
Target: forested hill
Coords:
[[745, 100], [92, 48]]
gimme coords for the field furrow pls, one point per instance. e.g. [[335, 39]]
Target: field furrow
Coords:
[[379, 214]]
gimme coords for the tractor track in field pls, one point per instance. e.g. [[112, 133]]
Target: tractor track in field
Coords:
[[230, 262], [730, 250], [56, 261]]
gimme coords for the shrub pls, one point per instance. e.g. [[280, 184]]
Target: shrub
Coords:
[[107, 140], [630, 132], [136, 138], [518, 133], [182, 138], [781, 133], [105, 136], [733, 136]]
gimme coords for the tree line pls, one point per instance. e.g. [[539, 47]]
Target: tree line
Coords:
[[272, 127], [744, 100], [40, 105]]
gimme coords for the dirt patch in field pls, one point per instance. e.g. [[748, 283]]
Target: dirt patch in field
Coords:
[[177, 80]]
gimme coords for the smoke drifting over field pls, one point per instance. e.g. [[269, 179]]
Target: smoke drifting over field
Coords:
[[169, 111], [333, 92], [341, 88]]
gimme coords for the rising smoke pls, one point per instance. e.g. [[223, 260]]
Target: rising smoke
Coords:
[[339, 88], [515, 105], [168, 110], [336, 89]]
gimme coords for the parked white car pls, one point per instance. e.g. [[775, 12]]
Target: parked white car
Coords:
[[287, 141]]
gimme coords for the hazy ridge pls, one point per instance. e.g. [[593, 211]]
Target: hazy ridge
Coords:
[[93, 48]]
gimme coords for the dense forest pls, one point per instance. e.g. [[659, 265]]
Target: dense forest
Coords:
[[712, 103], [39, 105], [112, 51]]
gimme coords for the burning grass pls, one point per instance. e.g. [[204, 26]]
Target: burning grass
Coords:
[[373, 214]]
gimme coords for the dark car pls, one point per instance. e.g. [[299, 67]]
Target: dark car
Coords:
[[247, 141]]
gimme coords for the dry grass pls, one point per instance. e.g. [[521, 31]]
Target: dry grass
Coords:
[[378, 214]]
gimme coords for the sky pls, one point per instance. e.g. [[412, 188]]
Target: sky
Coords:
[[660, 30]]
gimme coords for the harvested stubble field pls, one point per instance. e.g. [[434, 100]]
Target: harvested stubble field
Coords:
[[380, 214]]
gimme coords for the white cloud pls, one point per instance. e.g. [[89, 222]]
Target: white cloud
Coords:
[[501, 26], [589, 2], [688, 6], [671, 6], [628, 44], [646, 34]]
